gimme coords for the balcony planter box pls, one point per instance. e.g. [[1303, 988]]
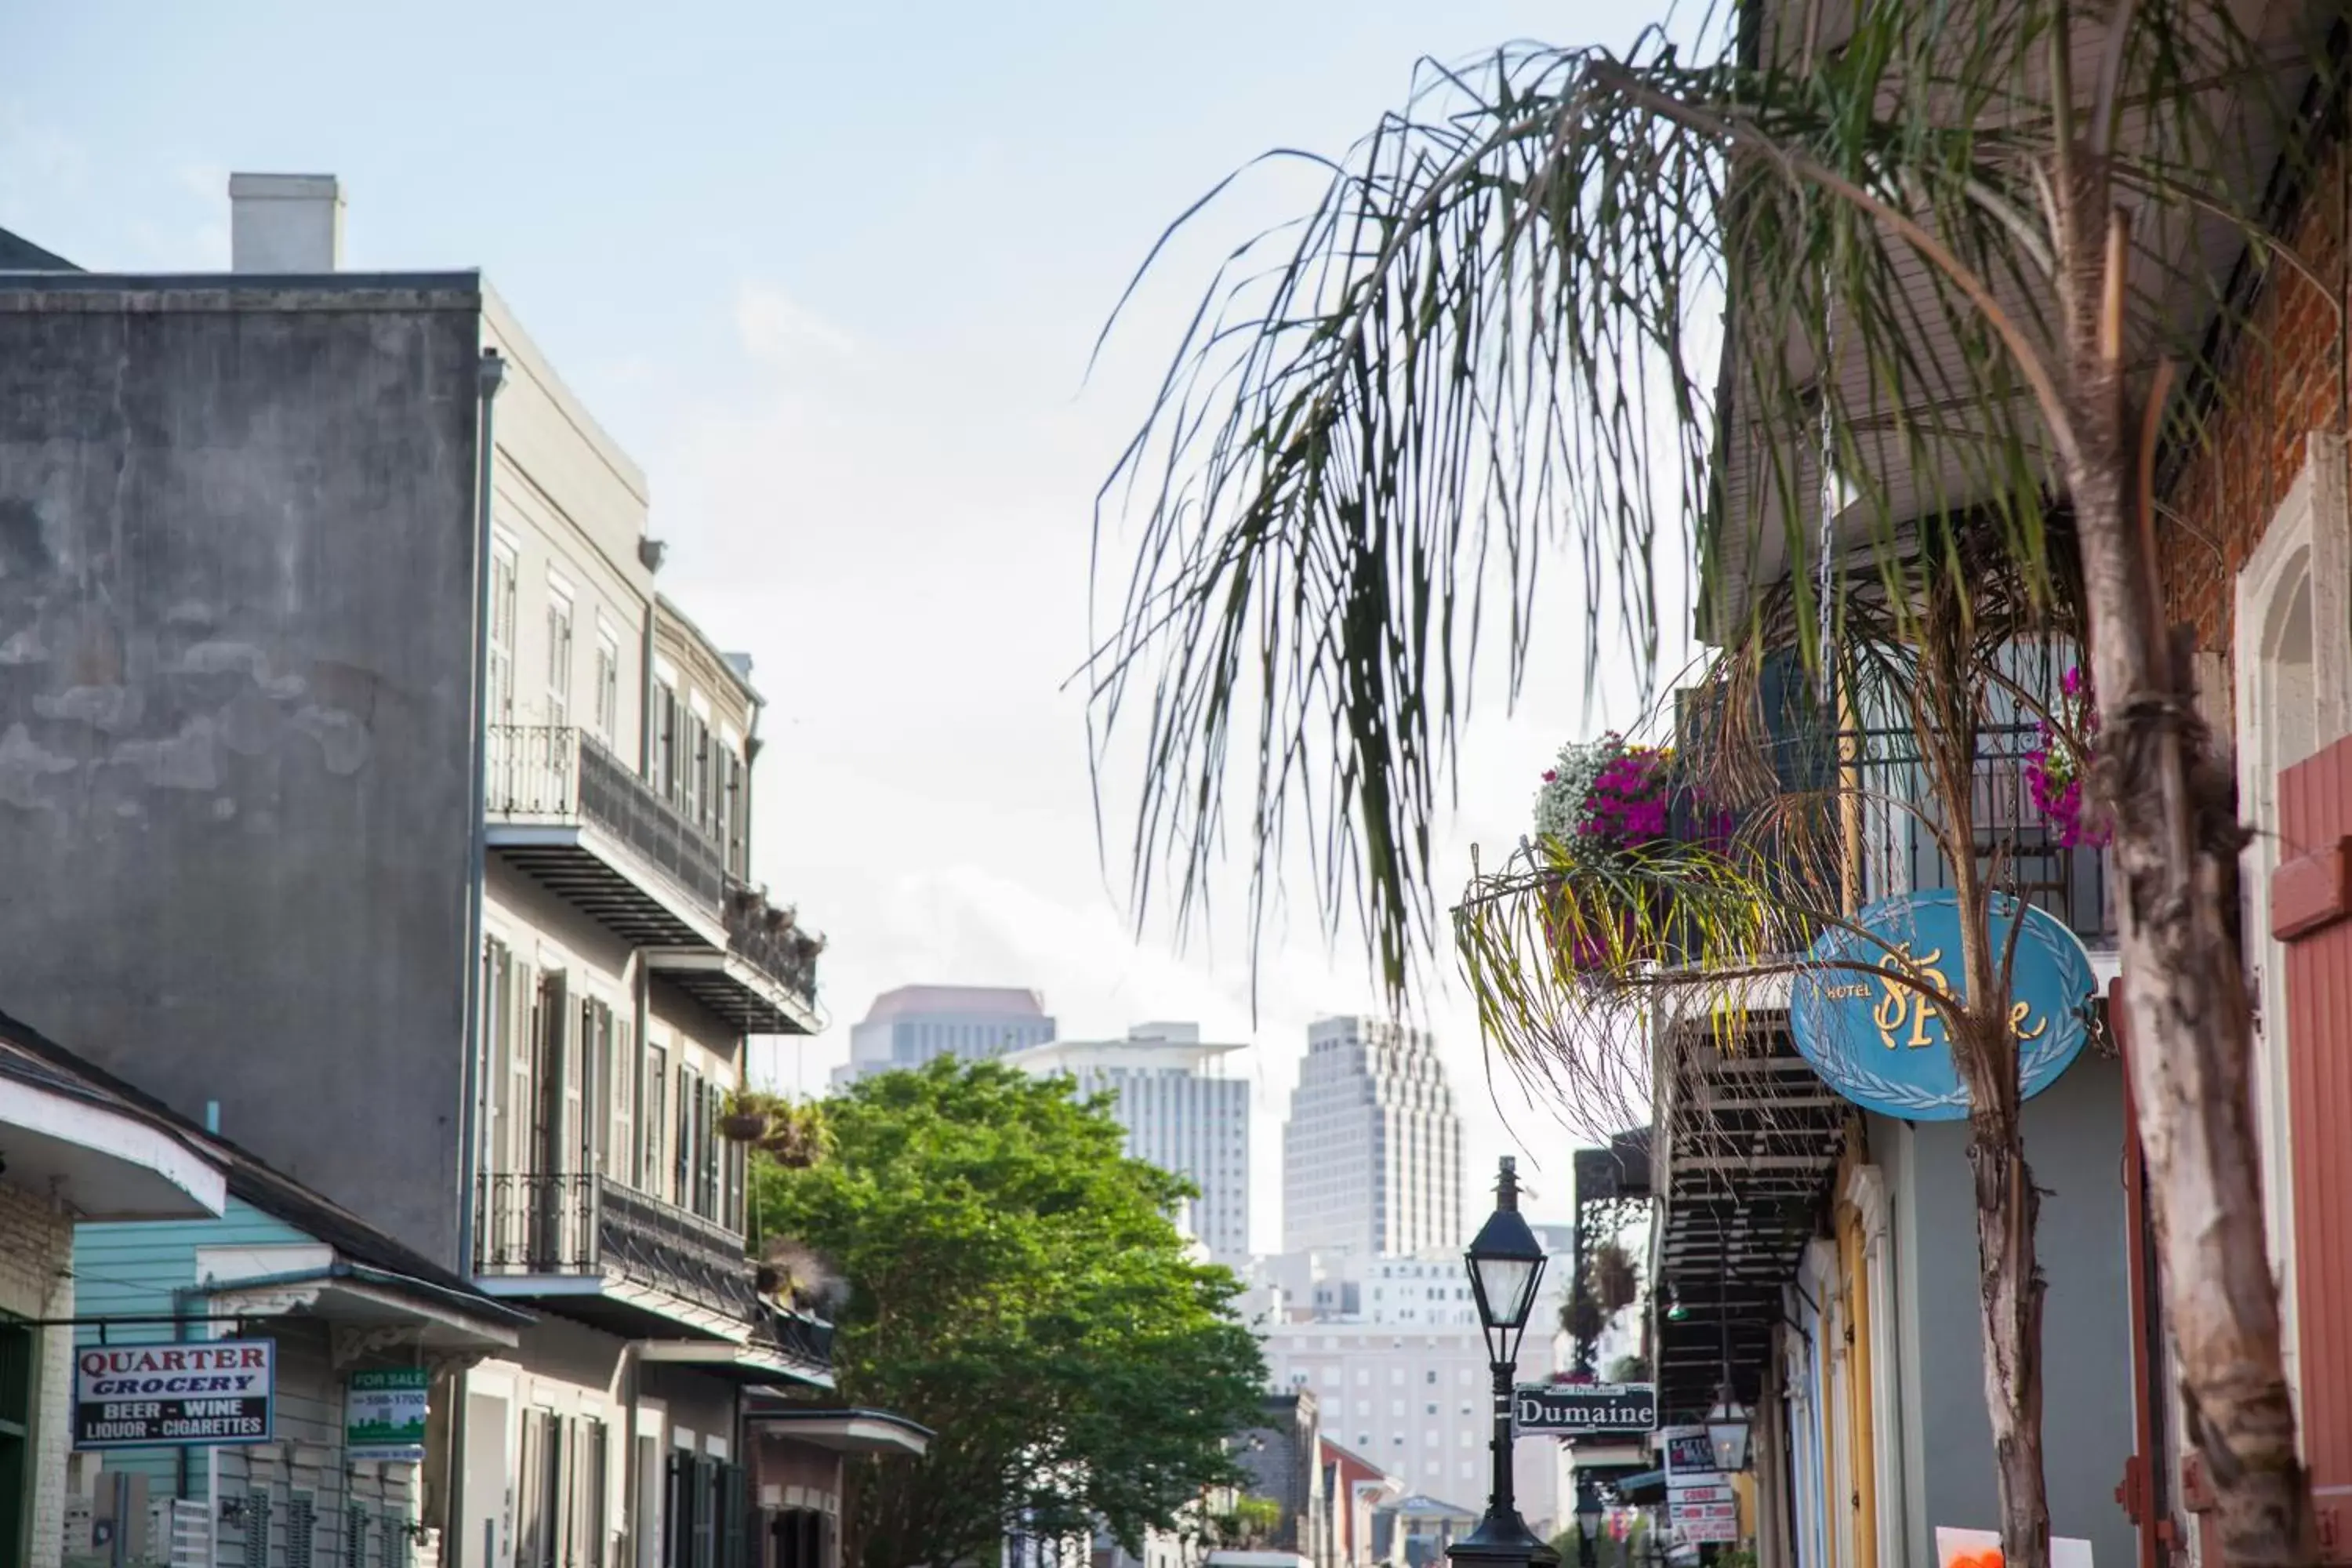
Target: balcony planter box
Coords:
[[744, 1126]]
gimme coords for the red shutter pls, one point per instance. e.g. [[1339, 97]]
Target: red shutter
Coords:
[[2310, 900]]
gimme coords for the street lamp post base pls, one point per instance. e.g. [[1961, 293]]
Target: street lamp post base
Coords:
[[1499, 1541]]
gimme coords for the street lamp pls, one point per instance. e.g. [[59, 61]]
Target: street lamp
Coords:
[[1505, 1266], [1589, 1518], [1727, 1431]]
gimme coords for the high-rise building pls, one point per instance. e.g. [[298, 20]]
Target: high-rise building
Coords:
[[1180, 1114], [1372, 1156], [909, 1026]]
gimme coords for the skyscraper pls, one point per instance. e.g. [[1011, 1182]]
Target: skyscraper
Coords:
[[909, 1026], [1372, 1156], [1180, 1112]]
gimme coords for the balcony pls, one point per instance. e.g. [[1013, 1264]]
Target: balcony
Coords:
[[601, 1252], [763, 982], [579, 821], [1900, 853]]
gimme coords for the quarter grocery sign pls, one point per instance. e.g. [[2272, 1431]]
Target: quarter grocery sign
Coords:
[[196, 1395]]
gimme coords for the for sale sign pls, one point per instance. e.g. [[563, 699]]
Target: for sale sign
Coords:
[[174, 1395]]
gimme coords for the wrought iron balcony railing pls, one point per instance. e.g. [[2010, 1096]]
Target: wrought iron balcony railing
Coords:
[[2016, 844], [769, 939], [555, 774], [531, 1223]]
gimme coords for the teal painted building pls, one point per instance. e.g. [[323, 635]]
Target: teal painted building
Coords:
[[335, 1296]]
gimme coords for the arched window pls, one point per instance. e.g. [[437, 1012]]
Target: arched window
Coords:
[[2292, 651]]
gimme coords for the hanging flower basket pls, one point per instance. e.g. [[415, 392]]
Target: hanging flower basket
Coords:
[[2055, 769], [744, 1126], [1605, 805]]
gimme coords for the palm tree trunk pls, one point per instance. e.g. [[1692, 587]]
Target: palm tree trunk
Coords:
[[2176, 842], [2009, 1300]]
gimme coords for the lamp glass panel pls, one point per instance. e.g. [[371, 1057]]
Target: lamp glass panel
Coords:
[[1510, 1286]]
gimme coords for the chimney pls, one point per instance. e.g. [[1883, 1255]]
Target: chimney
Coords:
[[285, 223]]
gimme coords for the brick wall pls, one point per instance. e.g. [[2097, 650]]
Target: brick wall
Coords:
[[2282, 380], [36, 1281]]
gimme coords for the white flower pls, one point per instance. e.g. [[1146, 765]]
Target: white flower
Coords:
[[1560, 804]]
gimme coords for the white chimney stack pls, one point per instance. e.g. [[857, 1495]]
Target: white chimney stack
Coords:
[[285, 223]]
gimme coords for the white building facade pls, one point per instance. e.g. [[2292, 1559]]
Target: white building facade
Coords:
[[1180, 1113], [910, 1025], [1419, 1403], [1372, 1151]]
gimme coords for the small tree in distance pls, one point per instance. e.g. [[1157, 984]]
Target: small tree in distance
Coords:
[[1016, 1285]]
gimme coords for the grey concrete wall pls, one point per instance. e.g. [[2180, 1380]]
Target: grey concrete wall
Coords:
[[236, 631], [2074, 1141]]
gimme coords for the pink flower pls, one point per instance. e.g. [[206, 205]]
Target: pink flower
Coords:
[[1551, 775]]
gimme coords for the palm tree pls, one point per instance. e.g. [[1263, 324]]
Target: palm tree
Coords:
[[1799, 275]]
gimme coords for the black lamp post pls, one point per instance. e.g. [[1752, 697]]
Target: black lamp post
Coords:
[[1505, 1266], [1589, 1518]]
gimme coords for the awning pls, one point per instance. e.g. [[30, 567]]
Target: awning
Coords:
[[752, 1362], [847, 1431], [102, 1161], [378, 1308], [1640, 1487]]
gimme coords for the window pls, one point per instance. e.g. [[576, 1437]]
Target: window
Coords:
[[618, 1089], [1432, 1410], [608, 687], [496, 1054], [694, 798], [559, 655], [1430, 1377], [1469, 1439], [666, 737], [502, 633], [734, 804], [1396, 1408], [653, 1175], [688, 1151]]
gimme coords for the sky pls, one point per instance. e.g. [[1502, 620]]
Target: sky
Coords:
[[831, 275]]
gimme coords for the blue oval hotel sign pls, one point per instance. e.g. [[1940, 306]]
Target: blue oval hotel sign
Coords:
[[1877, 1041]]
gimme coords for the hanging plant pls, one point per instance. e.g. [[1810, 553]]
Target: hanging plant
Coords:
[[745, 1116], [2055, 769], [1614, 1283], [1605, 808], [789, 1132]]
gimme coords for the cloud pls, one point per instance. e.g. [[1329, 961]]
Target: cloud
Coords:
[[778, 331]]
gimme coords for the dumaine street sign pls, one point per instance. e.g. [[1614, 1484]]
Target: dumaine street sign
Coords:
[[1587, 1409], [1877, 1041]]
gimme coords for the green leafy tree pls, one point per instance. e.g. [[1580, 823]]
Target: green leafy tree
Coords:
[[1758, 297], [1017, 1286]]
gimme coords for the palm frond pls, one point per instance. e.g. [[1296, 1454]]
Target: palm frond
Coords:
[[1626, 320]]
